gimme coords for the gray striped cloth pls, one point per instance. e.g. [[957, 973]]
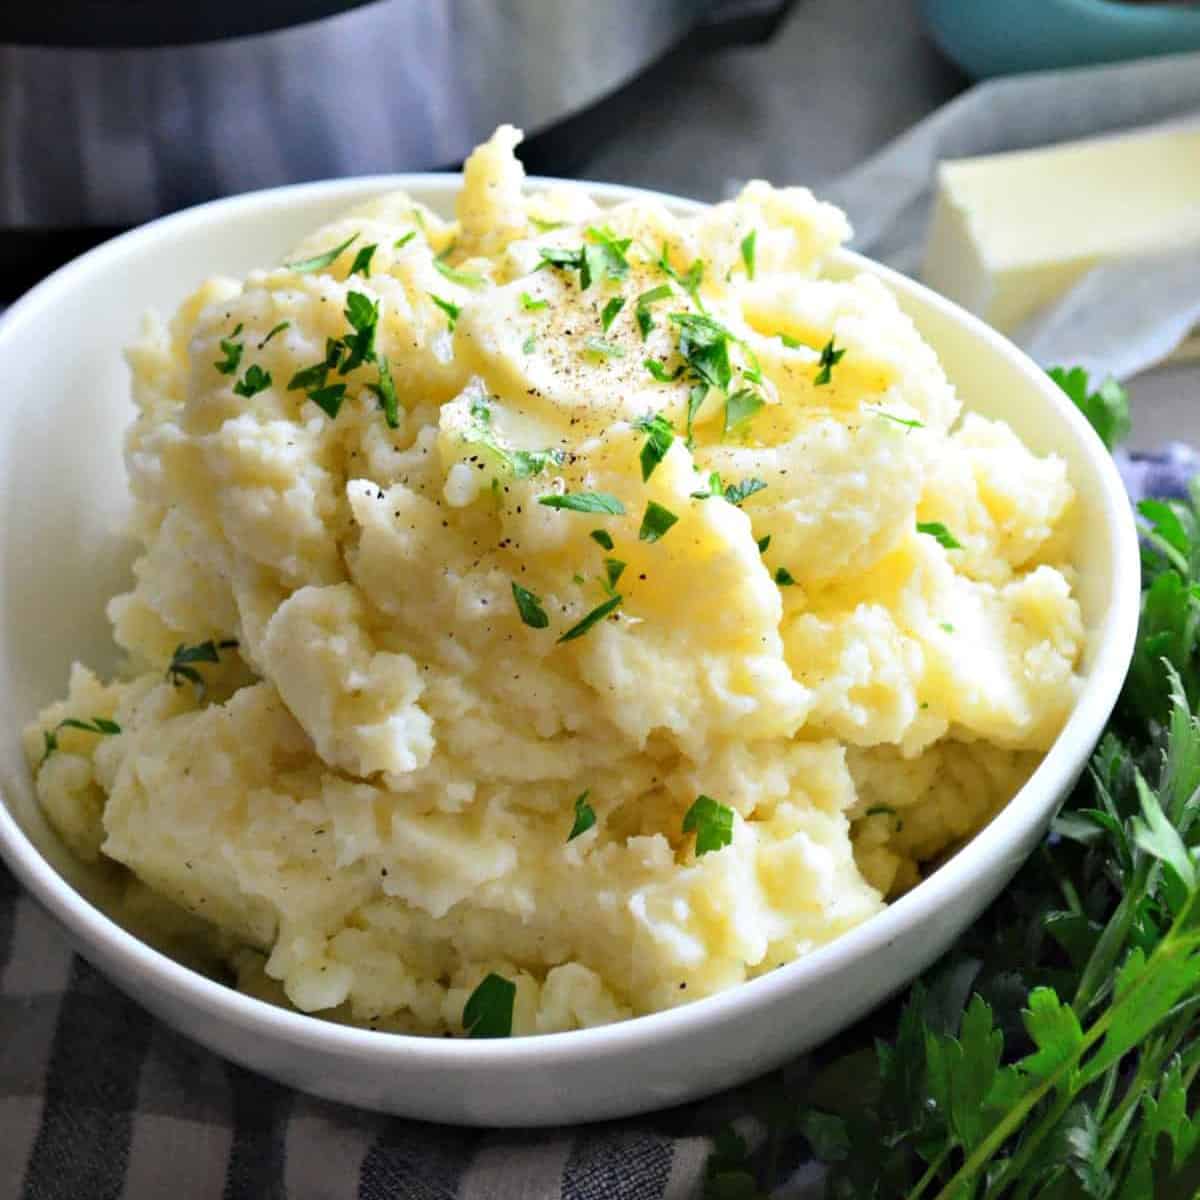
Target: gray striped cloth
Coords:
[[98, 1101]]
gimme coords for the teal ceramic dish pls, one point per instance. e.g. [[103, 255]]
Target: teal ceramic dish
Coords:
[[1002, 37]]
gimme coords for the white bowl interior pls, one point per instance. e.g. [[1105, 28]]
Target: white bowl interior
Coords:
[[63, 504]]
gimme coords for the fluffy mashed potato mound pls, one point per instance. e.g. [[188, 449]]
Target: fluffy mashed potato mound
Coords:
[[376, 685]]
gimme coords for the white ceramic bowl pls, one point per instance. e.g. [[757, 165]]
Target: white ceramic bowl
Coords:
[[63, 503]]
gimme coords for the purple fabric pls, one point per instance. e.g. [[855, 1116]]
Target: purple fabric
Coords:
[[1163, 473]]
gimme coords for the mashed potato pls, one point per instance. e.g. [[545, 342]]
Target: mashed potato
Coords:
[[603, 600]]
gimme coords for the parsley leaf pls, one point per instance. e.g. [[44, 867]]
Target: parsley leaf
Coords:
[[614, 263], [830, 357], [696, 397], [790, 342], [488, 1011], [530, 607], [103, 726], [545, 226], [233, 354], [320, 261], [602, 349], [597, 614], [521, 464], [587, 502], [385, 393], [711, 822], [783, 577], [748, 252], [704, 346], [609, 314], [451, 310], [887, 416], [363, 314], [740, 406], [690, 281], [935, 529], [529, 345], [659, 436], [277, 329], [467, 279], [1107, 408], [660, 372], [362, 261], [645, 321], [655, 522], [329, 399], [254, 381], [602, 538], [585, 817], [763, 543], [614, 568], [401, 242], [181, 667], [529, 304], [735, 493]]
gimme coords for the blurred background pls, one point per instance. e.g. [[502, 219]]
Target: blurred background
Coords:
[[112, 113]]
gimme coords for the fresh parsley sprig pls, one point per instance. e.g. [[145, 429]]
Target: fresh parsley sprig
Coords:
[[488, 1012], [182, 667], [103, 726]]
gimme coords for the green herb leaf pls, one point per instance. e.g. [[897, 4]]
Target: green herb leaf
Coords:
[[277, 329], [529, 345], [1107, 408], [385, 393], [587, 502], [655, 522], [233, 354], [254, 381], [704, 346], [763, 543], [602, 349], [690, 281], [362, 261], [545, 226], [488, 1012], [467, 279], [451, 310], [529, 304], [597, 614], [320, 261], [614, 263], [740, 407], [938, 531], [659, 436], [530, 607], [660, 372], [735, 493], [181, 667], [711, 822], [790, 342], [609, 313], [585, 817], [103, 726], [401, 242], [363, 314], [329, 399], [830, 357], [696, 397], [887, 416], [645, 321], [602, 538], [614, 568], [783, 577], [748, 252]]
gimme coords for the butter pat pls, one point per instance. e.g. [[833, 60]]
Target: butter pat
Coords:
[[1012, 232]]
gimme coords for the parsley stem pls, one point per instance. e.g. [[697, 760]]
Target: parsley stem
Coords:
[[1015, 1170], [931, 1172]]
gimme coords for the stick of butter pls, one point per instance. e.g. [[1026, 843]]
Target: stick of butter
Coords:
[[1012, 232]]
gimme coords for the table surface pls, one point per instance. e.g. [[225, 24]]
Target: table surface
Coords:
[[837, 82]]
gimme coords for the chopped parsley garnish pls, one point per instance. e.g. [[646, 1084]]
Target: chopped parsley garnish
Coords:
[[401, 242], [696, 398], [524, 464], [602, 349], [320, 261], [937, 530], [181, 666], [748, 252], [601, 537], [529, 345], [100, 725], [612, 250], [735, 493], [830, 358], [254, 381], [545, 226], [451, 310], [277, 329], [660, 372], [659, 436], [521, 464], [233, 353], [585, 816], [690, 281], [655, 522], [597, 614], [740, 406], [385, 393], [587, 502], [887, 416], [362, 261], [790, 342], [704, 346], [603, 256], [1107, 408], [947, 626], [711, 822], [488, 1011], [530, 607], [645, 322], [783, 577], [467, 279], [614, 568], [529, 304], [763, 543], [363, 315], [329, 399], [609, 313]]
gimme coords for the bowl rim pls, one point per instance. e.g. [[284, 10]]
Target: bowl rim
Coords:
[[92, 929]]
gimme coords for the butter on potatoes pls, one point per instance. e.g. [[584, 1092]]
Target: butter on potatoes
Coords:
[[473, 526]]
